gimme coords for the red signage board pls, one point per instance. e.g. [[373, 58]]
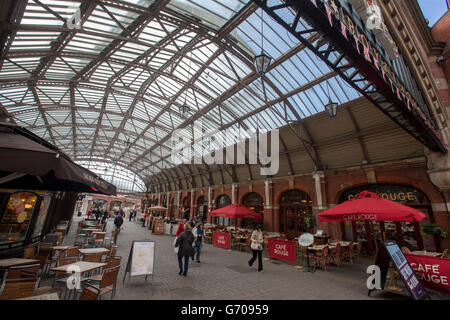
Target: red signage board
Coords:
[[433, 272], [222, 240], [283, 250]]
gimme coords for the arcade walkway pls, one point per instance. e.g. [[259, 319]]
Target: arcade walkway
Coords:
[[225, 275]]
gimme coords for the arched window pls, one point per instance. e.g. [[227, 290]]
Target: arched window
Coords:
[[202, 207], [254, 202], [222, 201], [296, 213]]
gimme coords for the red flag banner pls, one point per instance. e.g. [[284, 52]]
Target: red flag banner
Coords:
[[282, 250], [433, 272], [222, 240]]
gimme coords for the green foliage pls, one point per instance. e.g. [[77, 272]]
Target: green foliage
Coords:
[[433, 229]]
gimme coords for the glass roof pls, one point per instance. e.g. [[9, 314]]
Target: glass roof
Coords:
[[112, 89]]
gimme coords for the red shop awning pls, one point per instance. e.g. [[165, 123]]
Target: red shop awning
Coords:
[[368, 206], [235, 211]]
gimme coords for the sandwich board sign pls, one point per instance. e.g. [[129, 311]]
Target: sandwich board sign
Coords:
[[141, 259], [390, 251]]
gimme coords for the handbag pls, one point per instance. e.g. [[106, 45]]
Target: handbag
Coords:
[[175, 247], [255, 246]]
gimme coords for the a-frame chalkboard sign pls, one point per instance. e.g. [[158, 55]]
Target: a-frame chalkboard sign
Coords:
[[140, 260], [390, 251]]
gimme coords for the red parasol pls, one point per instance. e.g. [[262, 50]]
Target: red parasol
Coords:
[[235, 211], [368, 206]]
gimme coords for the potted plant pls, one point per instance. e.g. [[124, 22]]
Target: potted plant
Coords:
[[434, 231]]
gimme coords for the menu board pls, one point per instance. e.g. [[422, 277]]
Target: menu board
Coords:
[[141, 259], [390, 251], [158, 228], [405, 271]]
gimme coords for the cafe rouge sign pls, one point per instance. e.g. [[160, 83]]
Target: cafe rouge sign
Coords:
[[388, 192]]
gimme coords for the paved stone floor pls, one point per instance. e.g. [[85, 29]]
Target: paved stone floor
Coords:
[[225, 275]]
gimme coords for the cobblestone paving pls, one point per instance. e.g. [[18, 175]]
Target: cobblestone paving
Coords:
[[225, 275]]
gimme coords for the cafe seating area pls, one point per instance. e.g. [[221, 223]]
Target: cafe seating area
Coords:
[[53, 263]]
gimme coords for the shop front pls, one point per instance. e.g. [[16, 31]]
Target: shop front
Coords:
[[296, 213], [202, 207], [223, 201], [405, 233], [174, 207], [253, 201], [115, 205]]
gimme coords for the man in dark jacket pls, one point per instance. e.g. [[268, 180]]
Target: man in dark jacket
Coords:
[[118, 221], [185, 249]]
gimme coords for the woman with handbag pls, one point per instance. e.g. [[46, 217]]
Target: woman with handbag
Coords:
[[257, 240]]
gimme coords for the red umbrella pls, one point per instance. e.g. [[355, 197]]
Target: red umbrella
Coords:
[[368, 206], [235, 211]]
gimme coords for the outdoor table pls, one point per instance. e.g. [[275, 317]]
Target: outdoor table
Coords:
[[45, 296], [7, 263], [99, 232], [426, 253], [93, 250], [57, 248], [83, 265]]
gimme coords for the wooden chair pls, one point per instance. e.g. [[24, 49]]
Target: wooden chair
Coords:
[[406, 250], [111, 262], [99, 238], [29, 253], [19, 272], [92, 257], [89, 294], [108, 282], [336, 255], [73, 253], [321, 258], [44, 260], [356, 248], [245, 244], [18, 288], [113, 251], [347, 252]]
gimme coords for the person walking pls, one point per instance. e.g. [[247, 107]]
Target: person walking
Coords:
[[257, 240], [105, 216], [185, 249], [198, 244], [118, 221], [180, 228]]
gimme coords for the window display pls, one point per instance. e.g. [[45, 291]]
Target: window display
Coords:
[[45, 204], [16, 219]]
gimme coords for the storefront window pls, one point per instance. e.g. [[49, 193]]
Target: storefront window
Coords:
[[16, 219], [254, 202], [296, 213], [223, 201], [410, 231], [202, 207], [45, 204]]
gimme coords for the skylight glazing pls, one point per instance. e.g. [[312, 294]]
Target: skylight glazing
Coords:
[[112, 89]]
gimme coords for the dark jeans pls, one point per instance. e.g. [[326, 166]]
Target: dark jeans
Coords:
[[198, 250], [259, 253], [186, 264]]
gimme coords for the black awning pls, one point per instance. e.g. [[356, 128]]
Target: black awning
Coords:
[[29, 162]]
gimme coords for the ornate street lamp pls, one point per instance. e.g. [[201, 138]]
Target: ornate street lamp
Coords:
[[331, 106], [262, 61], [184, 111]]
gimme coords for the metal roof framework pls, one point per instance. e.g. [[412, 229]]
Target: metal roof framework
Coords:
[[110, 90]]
